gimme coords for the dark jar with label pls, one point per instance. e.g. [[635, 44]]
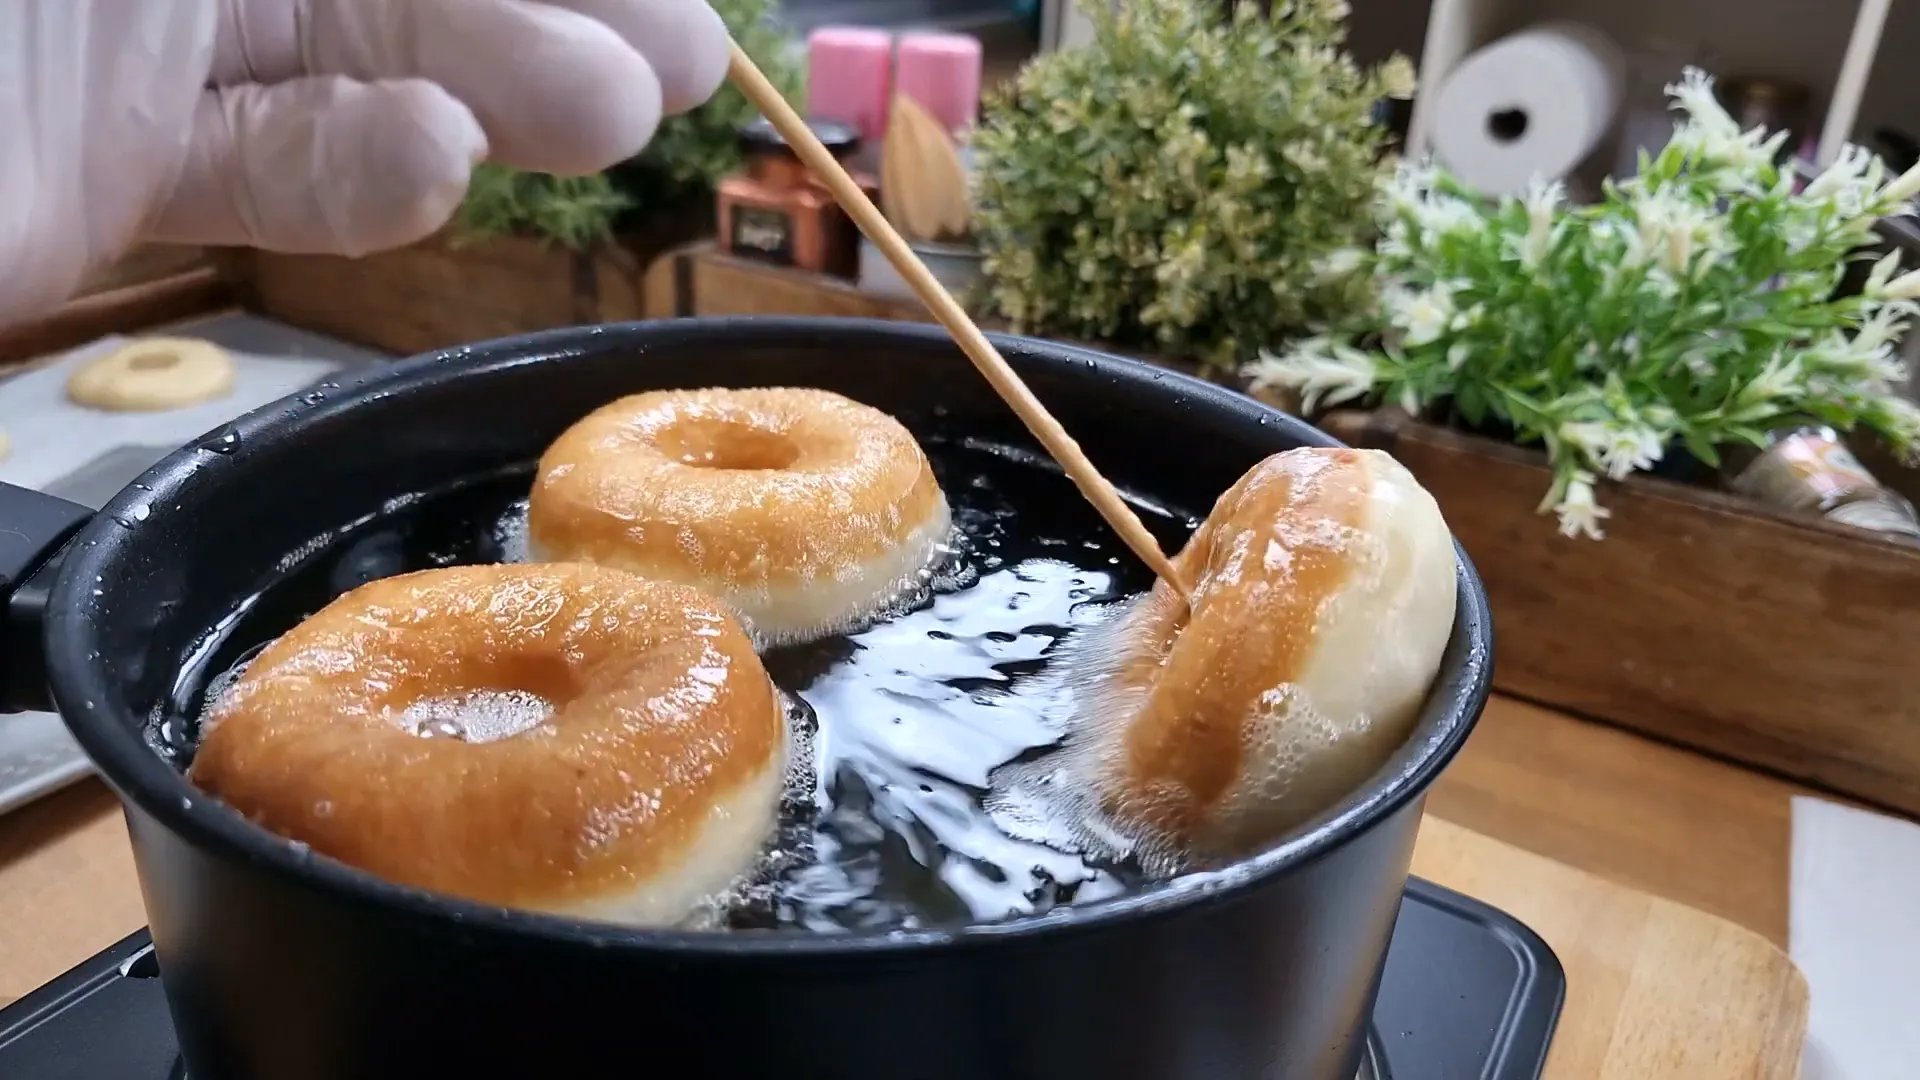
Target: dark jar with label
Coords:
[[777, 212]]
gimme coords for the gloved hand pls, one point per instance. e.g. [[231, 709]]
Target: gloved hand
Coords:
[[315, 126]]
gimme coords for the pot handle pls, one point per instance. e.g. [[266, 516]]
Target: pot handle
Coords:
[[34, 530]]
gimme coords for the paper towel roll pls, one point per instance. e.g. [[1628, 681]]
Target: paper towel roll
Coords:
[[1535, 104]]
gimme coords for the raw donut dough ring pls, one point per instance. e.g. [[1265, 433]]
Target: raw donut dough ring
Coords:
[[1324, 590], [802, 510], [651, 786], [153, 375]]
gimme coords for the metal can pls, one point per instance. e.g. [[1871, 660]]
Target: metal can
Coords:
[[1810, 471]]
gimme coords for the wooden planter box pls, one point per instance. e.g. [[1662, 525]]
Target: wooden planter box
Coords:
[[446, 291], [701, 280], [1703, 619], [152, 286], [1780, 641]]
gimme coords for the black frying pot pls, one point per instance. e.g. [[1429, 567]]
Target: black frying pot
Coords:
[[281, 966]]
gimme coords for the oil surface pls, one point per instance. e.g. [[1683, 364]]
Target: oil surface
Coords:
[[898, 728]]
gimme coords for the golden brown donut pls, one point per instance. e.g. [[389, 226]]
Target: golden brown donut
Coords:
[[623, 751], [1323, 598], [153, 375], [802, 510]]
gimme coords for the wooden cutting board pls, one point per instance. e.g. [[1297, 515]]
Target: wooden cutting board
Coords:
[[1655, 990]]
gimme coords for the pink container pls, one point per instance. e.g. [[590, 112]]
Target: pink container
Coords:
[[849, 77], [942, 73]]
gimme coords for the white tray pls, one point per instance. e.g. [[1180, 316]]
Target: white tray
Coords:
[[87, 456]]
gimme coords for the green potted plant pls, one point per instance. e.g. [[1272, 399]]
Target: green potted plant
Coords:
[[1694, 308], [667, 189], [1190, 183]]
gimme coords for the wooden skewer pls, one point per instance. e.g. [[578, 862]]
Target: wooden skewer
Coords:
[[746, 75]]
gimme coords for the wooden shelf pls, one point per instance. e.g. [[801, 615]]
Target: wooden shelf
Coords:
[[1831, 48]]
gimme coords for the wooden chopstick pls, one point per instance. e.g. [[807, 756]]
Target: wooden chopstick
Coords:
[[746, 75]]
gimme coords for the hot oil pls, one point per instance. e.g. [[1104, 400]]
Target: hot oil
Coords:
[[898, 728]]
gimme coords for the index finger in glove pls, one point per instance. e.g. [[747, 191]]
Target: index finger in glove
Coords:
[[322, 165], [555, 90]]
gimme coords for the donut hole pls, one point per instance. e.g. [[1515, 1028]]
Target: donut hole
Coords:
[[487, 698], [712, 443], [481, 715], [153, 361]]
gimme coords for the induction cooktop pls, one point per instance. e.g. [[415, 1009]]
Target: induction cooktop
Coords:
[[1469, 993]]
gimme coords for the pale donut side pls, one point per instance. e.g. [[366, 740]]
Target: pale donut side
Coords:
[[153, 375], [651, 786], [802, 510], [1324, 592], [6, 444]]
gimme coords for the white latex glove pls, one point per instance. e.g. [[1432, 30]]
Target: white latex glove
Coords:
[[314, 126]]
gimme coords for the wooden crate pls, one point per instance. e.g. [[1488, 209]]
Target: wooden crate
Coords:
[[700, 279], [1776, 640], [154, 285], [446, 291]]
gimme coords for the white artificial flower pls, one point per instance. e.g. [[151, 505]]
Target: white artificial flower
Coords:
[[1669, 230], [1732, 163], [1542, 202], [1618, 448], [1338, 263], [1851, 185], [1712, 242], [1845, 170], [1442, 215], [1728, 159], [1867, 355], [1904, 287], [1693, 95], [1802, 231], [1903, 188], [1587, 435], [1409, 184], [1886, 326], [1634, 448], [1411, 192], [1422, 315], [1579, 514], [1409, 401], [1881, 274], [1319, 370], [1782, 377], [1745, 155]]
